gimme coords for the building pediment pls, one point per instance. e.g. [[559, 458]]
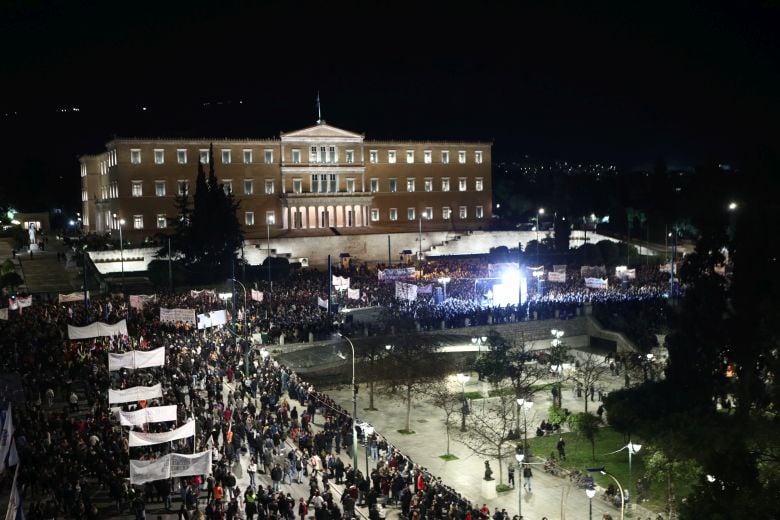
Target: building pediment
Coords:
[[321, 132]]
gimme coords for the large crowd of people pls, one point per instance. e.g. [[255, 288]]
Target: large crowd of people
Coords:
[[70, 443]]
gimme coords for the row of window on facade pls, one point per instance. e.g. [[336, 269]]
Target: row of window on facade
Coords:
[[322, 154], [323, 183], [270, 216]]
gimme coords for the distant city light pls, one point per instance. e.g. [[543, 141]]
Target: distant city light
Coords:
[[732, 206]]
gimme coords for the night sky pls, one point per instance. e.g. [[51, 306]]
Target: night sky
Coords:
[[619, 83]]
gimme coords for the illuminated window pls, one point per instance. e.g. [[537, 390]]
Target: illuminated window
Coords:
[[162, 222], [270, 218], [462, 157], [204, 155], [269, 187], [409, 156], [313, 154], [374, 215], [428, 184], [159, 188], [269, 157], [393, 185], [464, 212], [427, 213], [478, 212], [478, 184], [332, 154], [427, 157], [135, 156], [445, 157], [393, 214], [227, 186], [181, 156], [374, 185], [446, 213], [462, 185], [373, 156], [410, 184], [226, 157], [478, 157], [247, 156], [159, 156], [350, 185], [296, 156], [391, 157], [350, 156], [410, 214], [249, 187], [249, 218], [137, 189], [297, 186], [445, 184], [138, 221]]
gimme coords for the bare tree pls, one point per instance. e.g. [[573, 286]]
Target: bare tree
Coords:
[[442, 397], [590, 372], [488, 429]]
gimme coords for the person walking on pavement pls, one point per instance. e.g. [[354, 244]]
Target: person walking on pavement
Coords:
[[512, 474], [527, 474]]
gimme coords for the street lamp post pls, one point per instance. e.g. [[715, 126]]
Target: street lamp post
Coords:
[[463, 379], [520, 457], [368, 430], [354, 405], [540, 212], [591, 492], [633, 449], [246, 330], [270, 220], [603, 471], [444, 280], [524, 404]]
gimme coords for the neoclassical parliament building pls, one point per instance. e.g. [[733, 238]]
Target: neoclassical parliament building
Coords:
[[317, 181]]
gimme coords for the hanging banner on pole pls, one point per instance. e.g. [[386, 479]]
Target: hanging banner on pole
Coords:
[[97, 329], [212, 319], [150, 414], [135, 393], [148, 439], [257, 295], [170, 466], [322, 303], [137, 359]]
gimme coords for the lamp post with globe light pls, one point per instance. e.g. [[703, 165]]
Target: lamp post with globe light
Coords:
[[354, 402], [603, 471], [444, 280], [520, 457], [524, 404], [368, 431], [590, 492]]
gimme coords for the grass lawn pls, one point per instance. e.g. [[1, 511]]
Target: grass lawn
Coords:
[[578, 456], [473, 395], [449, 457]]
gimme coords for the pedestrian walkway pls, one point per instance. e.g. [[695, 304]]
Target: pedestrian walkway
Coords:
[[551, 496]]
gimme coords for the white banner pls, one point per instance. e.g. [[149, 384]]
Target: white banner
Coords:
[[148, 439], [353, 294], [170, 466], [150, 414], [557, 277], [405, 273], [257, 295], [72, 297], [340, 283], [322, 303], [212, 319], [13, 304], [4, 314], [97, 330], [596, 283], [630, 274], [137, 359], [177, 315], [136, 393], [405, 291], [24, 302], [208, 293]]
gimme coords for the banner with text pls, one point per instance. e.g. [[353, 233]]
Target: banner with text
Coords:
[[177, 315], [135, 393], [257, 295], [353, 294], [405, 291], [557, 277], [150, 414], [137, 301], [97, 329], [137, 359], [170, 466], [596, 283], [72, 297]]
